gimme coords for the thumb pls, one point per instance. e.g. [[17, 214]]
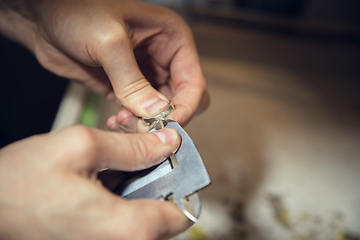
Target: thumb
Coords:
[[89, 148], [133, 152], [115, 54]]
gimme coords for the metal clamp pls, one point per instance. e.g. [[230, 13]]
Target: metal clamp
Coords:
[[177, 179]]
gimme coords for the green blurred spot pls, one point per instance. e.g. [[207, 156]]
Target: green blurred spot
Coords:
[[90, 113]]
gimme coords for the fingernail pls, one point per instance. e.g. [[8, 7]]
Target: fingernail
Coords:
[[167, 136], [155, 106]]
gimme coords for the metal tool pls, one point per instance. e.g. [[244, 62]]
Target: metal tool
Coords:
[[177, 179]]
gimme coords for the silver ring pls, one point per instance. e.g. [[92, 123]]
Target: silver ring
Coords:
[[161, 116]]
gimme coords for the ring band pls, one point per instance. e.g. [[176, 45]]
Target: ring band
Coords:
[[162, 115]]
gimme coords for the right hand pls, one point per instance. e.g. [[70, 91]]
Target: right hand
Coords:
[[49, 189]]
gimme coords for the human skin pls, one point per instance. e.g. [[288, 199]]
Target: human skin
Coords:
[[49, 189], [130, 51]]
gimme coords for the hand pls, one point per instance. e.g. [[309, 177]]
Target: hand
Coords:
[[49, 189], [117, 48]]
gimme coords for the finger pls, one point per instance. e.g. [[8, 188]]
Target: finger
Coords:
[[130, 123], [188, 81], [65, 66], [113, 124], [99, 149], [204, 103], [159, 220], [125, 121], [114, 52], [133, 152], [187, 85]]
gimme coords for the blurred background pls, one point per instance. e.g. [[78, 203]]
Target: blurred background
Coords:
[[281, 138]]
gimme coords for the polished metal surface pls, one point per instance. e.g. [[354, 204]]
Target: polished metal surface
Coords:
[[177, 179]]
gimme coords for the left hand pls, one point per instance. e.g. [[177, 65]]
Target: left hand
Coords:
[[140, 54], [49, 189]]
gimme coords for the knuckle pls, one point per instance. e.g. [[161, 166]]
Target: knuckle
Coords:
[[111, 37], [83, 140], [174, 16], [133, 89], [176, 22]]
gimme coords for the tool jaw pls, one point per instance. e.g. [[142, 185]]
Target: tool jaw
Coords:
[[178, 182]]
